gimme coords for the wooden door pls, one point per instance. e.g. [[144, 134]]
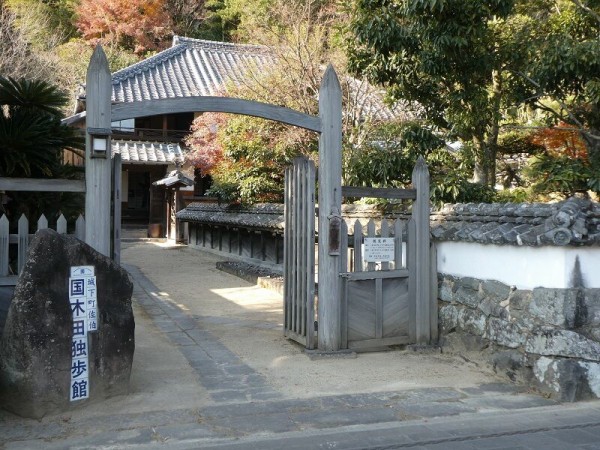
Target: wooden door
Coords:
[[299, 253]]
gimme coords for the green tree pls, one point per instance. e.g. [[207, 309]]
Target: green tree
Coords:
[[233, 20], [446, 55], [248, 162], [32, 141], [188, 16], [254, 163], [390, 155], [561, 77], [471, 65], [18, 58], [46, 23]]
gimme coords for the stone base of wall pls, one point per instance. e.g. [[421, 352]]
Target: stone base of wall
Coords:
[[547, 338]]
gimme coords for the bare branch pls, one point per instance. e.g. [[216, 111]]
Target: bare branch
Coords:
[[587, 9], [562, 104]]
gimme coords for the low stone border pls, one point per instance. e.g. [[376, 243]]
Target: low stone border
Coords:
[[263, 277]]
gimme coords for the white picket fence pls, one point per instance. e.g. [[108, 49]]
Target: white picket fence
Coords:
[[21, 240]]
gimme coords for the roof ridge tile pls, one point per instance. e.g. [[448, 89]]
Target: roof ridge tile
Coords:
[[146, 64]]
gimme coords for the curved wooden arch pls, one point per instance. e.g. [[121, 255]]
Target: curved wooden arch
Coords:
[[98, 170], [130, 110]]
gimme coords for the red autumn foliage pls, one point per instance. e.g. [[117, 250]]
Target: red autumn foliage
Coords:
[[206, 151], [561, 140], [138, 25]]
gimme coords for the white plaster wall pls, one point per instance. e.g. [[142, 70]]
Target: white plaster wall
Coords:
[[523, 267]]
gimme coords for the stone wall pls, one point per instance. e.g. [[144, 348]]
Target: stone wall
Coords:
[[546, 337]]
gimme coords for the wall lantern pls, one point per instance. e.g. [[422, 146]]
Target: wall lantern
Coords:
[[100, 142]]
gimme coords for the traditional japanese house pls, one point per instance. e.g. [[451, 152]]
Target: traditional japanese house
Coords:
[[151, 146]]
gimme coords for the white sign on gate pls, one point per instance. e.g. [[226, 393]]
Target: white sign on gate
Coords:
[[378, 249]]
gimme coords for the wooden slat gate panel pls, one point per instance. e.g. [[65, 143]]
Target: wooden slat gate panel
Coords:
[[390, 302], [378, 298], [299, 253]]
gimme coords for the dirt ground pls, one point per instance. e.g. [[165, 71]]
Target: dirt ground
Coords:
[[248, 320]]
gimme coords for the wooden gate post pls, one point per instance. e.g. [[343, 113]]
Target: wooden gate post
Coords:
[[420, 182], [116, 196], [98, 163], [330, 204]]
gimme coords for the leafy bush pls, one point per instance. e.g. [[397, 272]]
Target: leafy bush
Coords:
[[516, 195], [559, 174], [562, 167], [389, 157], [247, 157], [32, 142]]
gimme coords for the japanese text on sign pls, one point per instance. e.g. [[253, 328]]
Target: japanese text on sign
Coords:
[[378, 249], [83, 301]]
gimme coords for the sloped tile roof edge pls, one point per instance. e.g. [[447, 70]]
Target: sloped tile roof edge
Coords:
[[267, 216], [573, 222], [181, 40], [181, 44], [148, 63], [165, 153]]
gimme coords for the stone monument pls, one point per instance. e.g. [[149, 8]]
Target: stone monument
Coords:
[[37, 346]]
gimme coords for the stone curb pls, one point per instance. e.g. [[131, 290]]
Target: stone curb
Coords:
[[260, 276]]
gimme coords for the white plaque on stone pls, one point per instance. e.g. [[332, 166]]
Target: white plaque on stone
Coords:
[[82, 271]]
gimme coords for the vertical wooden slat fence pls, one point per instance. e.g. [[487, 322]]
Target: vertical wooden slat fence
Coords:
[[116, 202], [299, 253], [21, 240], [23, 237], [4, 241]]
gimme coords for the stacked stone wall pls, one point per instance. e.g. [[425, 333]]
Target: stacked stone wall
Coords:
[[549, 338]]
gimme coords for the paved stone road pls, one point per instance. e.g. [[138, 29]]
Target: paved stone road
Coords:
[[248, 414], [519, 422]]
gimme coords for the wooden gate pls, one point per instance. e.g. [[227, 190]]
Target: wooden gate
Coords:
[[387, 295], [299, 253], [384, 299], [378, 298]]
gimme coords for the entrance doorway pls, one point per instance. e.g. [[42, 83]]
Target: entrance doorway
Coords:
[[142, 203]]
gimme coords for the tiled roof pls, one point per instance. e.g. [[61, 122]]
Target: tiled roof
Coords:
[[369, 102], [574, 222], [147, 152], [261, 216], [571, 222], [175, 178], [191, 67]]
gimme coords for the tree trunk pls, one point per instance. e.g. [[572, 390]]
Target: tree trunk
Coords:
[[487, 143], [484, 172], [479, 171], [592, 144]]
